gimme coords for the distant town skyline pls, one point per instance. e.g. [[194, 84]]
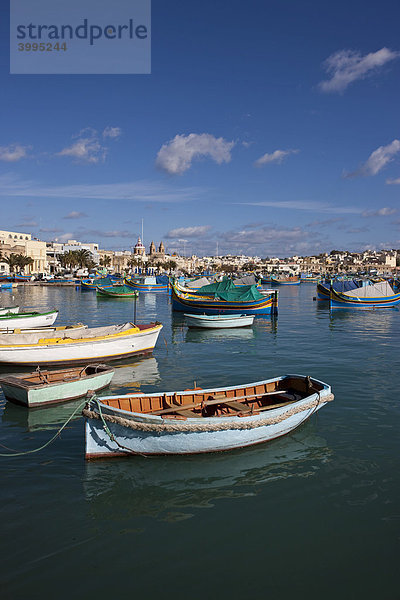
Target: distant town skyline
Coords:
[[270, 129]]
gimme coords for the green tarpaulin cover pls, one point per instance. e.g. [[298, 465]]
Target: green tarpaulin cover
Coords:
[[226, 290]]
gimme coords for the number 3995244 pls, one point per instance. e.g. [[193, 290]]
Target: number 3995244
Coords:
[[41, 47]]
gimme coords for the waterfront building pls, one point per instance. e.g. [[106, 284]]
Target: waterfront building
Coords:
[[12, 242]]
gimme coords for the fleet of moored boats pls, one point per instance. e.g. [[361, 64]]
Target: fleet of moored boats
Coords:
[[190, 421]]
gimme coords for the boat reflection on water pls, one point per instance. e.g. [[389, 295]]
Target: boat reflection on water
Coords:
[[134, 374], [128, 377], [180, 332], [170, 488], [365, 323], [40, 419], [214, 335]]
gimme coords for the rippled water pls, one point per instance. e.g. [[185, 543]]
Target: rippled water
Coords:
[[314, 514]]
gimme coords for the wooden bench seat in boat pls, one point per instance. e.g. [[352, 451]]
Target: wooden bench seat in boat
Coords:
[[175, 407]]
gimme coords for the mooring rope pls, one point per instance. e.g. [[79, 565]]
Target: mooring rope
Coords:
[[184, 426], [14, 454]]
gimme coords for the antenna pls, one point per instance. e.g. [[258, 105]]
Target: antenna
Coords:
[[142, 233]]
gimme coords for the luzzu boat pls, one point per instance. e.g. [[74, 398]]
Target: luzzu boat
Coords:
[[160, 283], [339, 285], [92, 284], [377, 295], [286, 280], [211, 300], [81, 345], [201, 420], [117, 291]]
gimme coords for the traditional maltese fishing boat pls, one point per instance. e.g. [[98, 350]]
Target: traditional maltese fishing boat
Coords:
[[27, 319], [224, 297], [117, 291], [376, 295], [201, 420], [286, 279], [159, 283], [43, 388], [79, 345], [339, 285]]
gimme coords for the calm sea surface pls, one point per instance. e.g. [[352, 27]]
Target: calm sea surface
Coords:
[[312, 515]]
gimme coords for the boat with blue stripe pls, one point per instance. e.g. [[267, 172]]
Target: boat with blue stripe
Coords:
[[241, 301], [377, 295], [158, 283]]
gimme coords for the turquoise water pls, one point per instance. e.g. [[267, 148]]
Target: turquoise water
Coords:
[[314, 514]]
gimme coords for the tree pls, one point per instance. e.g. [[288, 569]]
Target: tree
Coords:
[[105, 261], [24, 261], [68, 259], [13, 261], [83, 257]]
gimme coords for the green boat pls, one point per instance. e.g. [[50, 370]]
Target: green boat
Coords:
[[117, 291]]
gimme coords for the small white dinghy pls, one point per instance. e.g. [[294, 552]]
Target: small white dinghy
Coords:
[[218, 321], [43, 388], [201, 420], [9, 310], [27, 320]]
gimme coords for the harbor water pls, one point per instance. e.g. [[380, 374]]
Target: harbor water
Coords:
[[313, 514]]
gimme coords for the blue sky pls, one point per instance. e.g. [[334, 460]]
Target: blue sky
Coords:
[[271, 128]]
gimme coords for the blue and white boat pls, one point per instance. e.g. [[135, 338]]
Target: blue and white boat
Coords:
[[201, 420], [218, 321]]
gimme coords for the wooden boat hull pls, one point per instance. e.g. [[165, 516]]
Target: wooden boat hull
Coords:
[[9, 310], [44, 394], [89, 350], [283, 282], [85, 285], [109, 292], [202, 305], [184, 436], [323, 291], [219, 322], [343, 300], [29, 320], [142, 287]]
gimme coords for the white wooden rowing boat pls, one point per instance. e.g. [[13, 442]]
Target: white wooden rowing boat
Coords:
[[201, 420], [79, 346], [43, 388], [218, 321], [39, 332], [27, 320], [9, 310]]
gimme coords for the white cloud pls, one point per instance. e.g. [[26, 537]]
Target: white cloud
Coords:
[[75, 215], [64, 237], [306, 205], [13, 152], [176, 156], [377, 160], [346, 66], [273, 240], [393, 181], [278, 156], [142, 191], [385, 211], [190, 232], [112, 132], [86, 150]]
